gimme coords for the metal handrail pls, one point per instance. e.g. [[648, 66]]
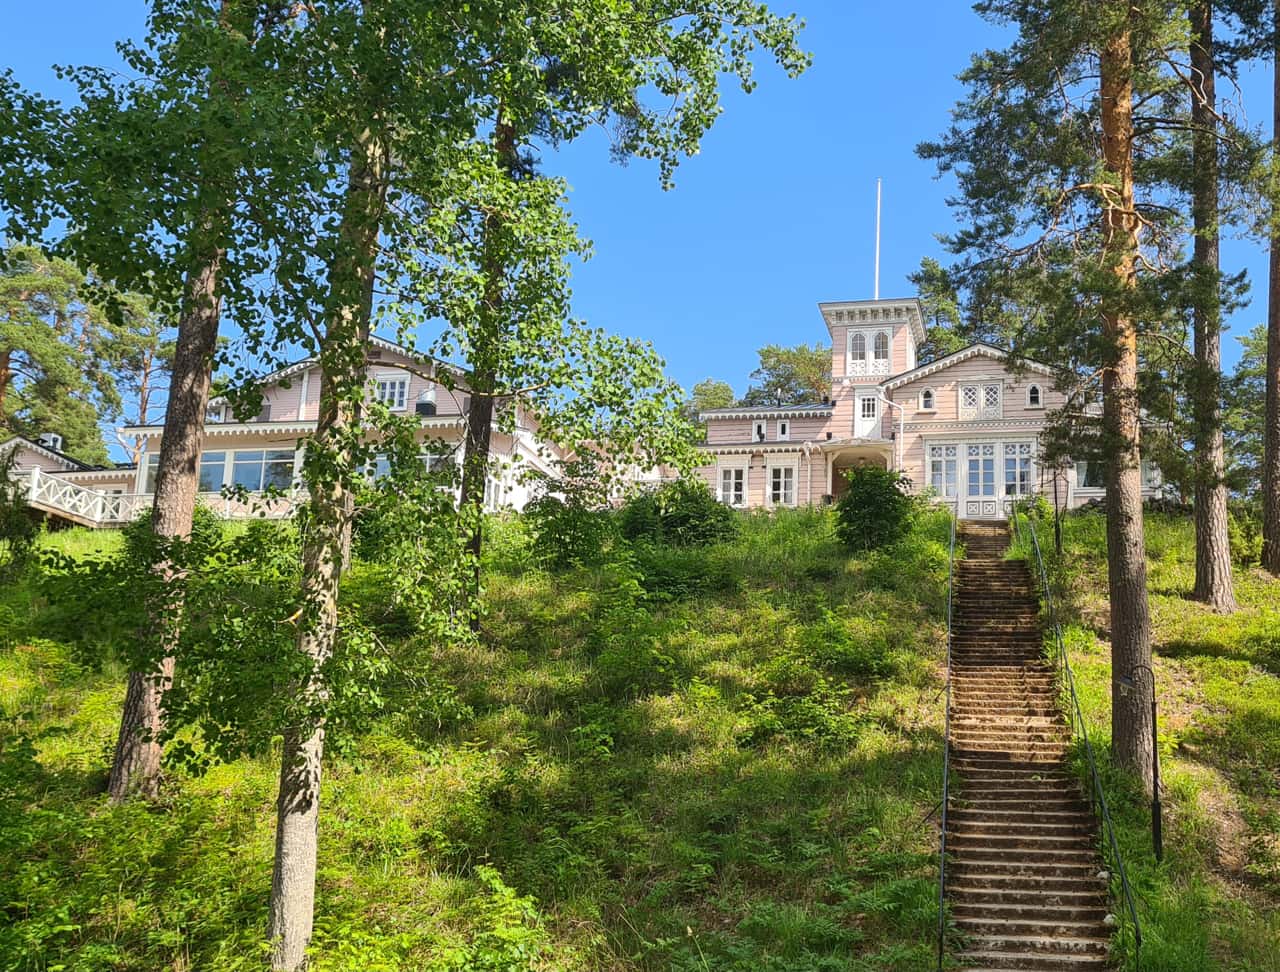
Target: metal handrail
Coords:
[[946, 755], [1099, 797]]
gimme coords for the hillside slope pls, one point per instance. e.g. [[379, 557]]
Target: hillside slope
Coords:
[[1214, 904], [719, 759]]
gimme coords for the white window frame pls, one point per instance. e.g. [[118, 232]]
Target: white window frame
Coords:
[[383, 384], [875, 350], [759, 430], [1082, 472], [782, 467], [943, 466], [1039, 390], [784, 430], [932, 405], [1025, 475], [734, 492], [858, 358], [862, 408], [980, 409]]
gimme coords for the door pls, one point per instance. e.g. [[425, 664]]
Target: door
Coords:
[[981, 500], [866, 420]]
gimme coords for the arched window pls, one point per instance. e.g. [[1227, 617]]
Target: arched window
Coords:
[[882, 346], [926, 400], [858, 347], [1034, 397]]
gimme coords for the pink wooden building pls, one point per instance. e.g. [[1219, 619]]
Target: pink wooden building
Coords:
[[266, 450], [966, 427]]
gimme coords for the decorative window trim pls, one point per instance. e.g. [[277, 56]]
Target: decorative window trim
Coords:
[[769, 468], [1039, 394], [932, 404], [784, 430], [862, 408], [759, 430], [866, 359], [743, 467], [383, 384], [980, 409]]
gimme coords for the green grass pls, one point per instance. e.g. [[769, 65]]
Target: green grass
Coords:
[[1214, 903], [731, 766]]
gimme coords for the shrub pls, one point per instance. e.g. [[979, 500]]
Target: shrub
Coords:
[[17, 526], [680, 514], [876, 510], [670, 574], [570, 519]]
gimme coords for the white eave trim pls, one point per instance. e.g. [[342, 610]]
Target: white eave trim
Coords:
[[964, 354], [251, 428], [76, 475], [22, 442], [823, 411], [750, 448]]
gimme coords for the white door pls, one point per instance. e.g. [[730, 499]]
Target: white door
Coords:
[[866, 417], [981, 496]]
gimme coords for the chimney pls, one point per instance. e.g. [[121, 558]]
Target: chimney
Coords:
[[51, 440]]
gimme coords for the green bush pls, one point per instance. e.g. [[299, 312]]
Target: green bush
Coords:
[[680, 514], [669, 574], [570, 519], [876, 510]]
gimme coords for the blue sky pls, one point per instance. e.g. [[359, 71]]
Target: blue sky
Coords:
[[778, 210]]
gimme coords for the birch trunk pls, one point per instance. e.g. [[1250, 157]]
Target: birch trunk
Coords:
[[1126, 547], [1213, 550], [326, 546]]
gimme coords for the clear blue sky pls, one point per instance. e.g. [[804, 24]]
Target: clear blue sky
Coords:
[[775, 214]]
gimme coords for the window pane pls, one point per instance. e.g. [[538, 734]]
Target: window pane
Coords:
[[991, 396], [882, 346], [858, 346], [247, 470], [969, 396], [149, 481], [213, 466], [278, 474]]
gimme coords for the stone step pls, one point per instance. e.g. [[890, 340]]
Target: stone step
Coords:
[[1081, 944], [992, 893], [1035, 817], [972, 960], [963, 841], [1039, 910]]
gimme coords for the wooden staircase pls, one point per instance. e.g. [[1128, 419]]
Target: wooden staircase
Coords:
[[1023, 877]]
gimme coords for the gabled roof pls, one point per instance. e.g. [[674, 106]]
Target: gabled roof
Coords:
[[810, 410], [23, 442], [972, 351], [383, 344]]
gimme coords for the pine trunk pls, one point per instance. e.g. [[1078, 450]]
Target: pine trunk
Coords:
[[1126, 547], [135, 770], [1213, 550], [1271, 421], [326, 546]]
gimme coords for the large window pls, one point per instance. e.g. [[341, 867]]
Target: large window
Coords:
[[149, 480], [213, 471], [782, 485], [1090, 474], [259, 469], [1019, 476], [391, 391], [942, 469], [733, 486], [882, 347]]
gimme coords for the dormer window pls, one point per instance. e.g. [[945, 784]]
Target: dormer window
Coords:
[[927, 400], [784, 430], [1035, 398], [392, 390]]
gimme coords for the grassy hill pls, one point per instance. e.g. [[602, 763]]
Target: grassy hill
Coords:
[[715, 759], [721, 758], [1215, 901]]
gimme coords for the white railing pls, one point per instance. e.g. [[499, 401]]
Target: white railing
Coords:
[[79, 502], [98, 509]]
